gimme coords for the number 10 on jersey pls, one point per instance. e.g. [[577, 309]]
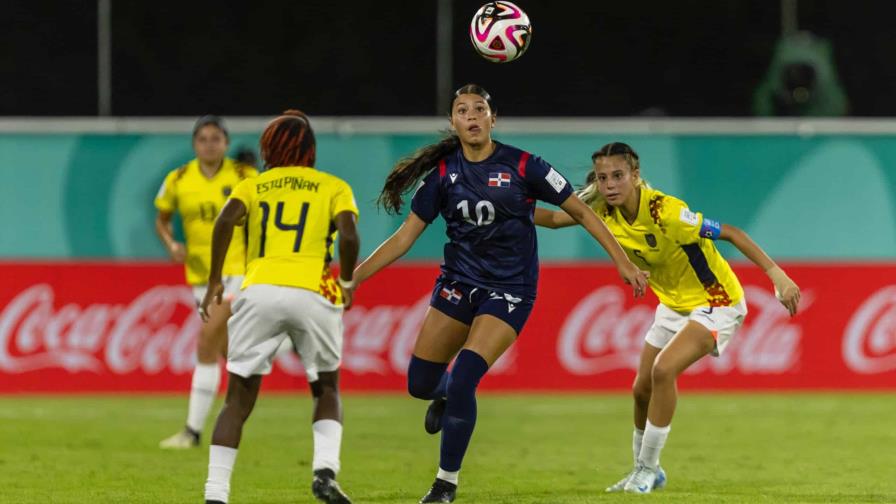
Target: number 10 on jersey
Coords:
[[485, 212]]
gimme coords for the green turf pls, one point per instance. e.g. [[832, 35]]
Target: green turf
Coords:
[[526, 449]]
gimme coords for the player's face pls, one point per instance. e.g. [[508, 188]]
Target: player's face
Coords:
[[472, 119], [210, 144], [615, 179]]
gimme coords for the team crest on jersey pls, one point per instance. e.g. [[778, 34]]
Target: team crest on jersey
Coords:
[[651, 240], [226, 190], [451, 294], [499, 179]]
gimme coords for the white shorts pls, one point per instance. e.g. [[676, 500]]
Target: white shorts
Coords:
[[265, 315], [722, 322], [232, 286]]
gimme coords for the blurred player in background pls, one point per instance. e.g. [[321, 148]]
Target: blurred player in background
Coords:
[[293, 212], [486, 193], [701, 305], [197, 191]]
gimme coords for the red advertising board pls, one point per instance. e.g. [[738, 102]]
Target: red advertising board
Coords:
[[81, 327]]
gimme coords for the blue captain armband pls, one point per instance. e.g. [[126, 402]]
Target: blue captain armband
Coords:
[[710, 229]]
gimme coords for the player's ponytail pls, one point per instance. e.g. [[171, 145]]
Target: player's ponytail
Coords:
[[589, 192], [408, 171]]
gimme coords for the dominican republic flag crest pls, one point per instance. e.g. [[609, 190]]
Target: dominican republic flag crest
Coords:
[[451, 294], [500, 179]]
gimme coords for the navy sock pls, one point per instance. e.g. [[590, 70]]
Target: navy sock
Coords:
[[460, 412], [427, 379]]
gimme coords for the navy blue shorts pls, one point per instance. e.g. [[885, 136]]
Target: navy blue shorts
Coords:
[[464, 302]]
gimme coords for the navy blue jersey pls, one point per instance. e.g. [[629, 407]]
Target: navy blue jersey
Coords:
[[489, 209]]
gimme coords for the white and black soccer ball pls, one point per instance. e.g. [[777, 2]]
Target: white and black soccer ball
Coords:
[[500, 31]]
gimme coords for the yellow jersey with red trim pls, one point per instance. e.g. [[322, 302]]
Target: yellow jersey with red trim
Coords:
[[291, 226], [198, 199], [675, 244]]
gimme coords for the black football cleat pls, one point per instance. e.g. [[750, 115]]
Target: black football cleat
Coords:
[[325, 488], [441, 491], [433, 421], [213, 502]]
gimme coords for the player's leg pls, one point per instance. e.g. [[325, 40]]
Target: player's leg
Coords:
[[327, 430], [641, 390], [211, 346], [439, 340], [691, 343], [238, 404], [488, 339], [316, 330], [255, 333]]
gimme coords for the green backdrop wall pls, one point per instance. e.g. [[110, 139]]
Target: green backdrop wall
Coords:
[[823, 196]]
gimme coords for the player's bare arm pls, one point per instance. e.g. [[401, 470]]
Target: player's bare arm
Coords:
[[232, 213], [174, 248], [786, 290], [585, 216], [553, 219], [349, 244], [394, 247]]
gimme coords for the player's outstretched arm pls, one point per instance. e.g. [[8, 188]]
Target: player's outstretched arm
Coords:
[[232, 213], [552, 218], [349, 244], [394, 247], [786, 289], [586, 217], [174, 248]]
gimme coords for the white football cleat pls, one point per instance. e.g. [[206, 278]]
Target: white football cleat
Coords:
[[180, 441], [642, 481], [620, 485]]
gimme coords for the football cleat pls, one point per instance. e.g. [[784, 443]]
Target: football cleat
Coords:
[[433, 421], [441, 491], [642, 481], [325, 488], [184, 439], [620, 485]]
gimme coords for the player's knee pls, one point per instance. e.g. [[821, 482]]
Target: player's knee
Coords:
[[326, 385], [469, 368], [662, 373], [424, 377], [641, 390]]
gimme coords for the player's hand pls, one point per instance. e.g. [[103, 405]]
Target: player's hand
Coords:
[[634, 277], [177, 252], [786, 290], [348, 296], [215, 292]]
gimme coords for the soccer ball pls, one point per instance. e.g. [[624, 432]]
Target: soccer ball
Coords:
[[500, 32]]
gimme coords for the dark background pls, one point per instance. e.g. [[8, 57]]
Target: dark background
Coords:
[[587, 58]]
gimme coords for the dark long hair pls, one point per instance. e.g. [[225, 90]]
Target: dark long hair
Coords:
[[408, 171], [288, 140]]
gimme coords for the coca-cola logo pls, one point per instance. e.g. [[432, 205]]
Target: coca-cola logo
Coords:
[[154, 332], [601, 335], [869, 342]]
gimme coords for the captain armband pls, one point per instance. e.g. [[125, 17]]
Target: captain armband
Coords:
[[711, 229]]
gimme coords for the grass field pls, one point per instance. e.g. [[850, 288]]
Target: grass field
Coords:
[[526, 449]]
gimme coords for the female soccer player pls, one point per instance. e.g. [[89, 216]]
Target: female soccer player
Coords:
[[198, 190], [701, 301], [292, 212], [486, 193]]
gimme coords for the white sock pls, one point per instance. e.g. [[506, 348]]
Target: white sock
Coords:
[[449, 476], [206, 378], [327, 440], [637, 437], [654, 439], [220, 466]]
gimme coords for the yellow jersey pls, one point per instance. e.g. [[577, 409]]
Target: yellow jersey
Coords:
[[673, 244], [291, 212], [198, 199]]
